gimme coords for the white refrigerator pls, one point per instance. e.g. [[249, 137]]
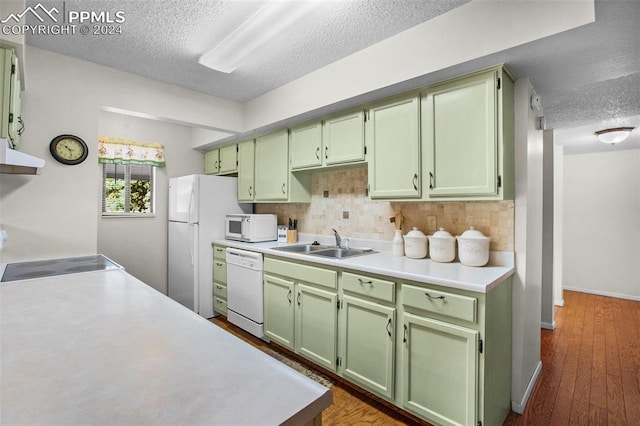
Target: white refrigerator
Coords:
[[197, 208]]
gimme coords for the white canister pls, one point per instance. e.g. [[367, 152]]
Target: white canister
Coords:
[[415, 244], [397, 245], [473, 248], [442, 246]]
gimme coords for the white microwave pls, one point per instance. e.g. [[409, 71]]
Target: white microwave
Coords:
[[251, 228]]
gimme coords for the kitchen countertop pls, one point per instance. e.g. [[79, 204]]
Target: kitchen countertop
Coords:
[[453, 275], [105, 348]]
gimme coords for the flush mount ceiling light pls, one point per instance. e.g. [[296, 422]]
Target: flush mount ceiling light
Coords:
[[268, 22], [613, 136]]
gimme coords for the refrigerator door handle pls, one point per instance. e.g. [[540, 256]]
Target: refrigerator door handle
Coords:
[[190, 211], [192, 229]]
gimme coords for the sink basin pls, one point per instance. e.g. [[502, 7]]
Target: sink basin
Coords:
[[339, 253], [323, 250], [303, 248]]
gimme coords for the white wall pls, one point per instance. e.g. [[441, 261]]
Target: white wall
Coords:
[[56, 213], [547, 307], [140, 244], [558, 227], [527, 281], [481, 28], [602, 223]]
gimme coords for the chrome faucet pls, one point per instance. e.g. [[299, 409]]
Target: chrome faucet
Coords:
[[338, 239]]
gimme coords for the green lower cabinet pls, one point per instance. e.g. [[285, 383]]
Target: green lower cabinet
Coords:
[[279, 310], [367, 336], [440, 371], [316, 325]]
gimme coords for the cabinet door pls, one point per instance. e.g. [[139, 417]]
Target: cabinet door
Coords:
[[15, 120], [229, 159], [212, 162], [272, 167], [305, 146], [6, 59], [367, 335], [279, 310], [461, 137], [343, 139], [246, 160], [393, 134], [316, 325], [440, 371]]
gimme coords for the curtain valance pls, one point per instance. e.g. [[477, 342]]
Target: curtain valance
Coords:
[[126, 151]]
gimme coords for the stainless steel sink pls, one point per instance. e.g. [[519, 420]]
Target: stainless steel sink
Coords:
[[339, 253], [324, 250], [303, 248]]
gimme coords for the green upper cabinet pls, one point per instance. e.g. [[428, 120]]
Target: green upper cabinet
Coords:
[[335, 141], [393, 135], [212, 162], [467, 132], [11, 125], [305, 146], [271, 167], [440, 371], [246, 160], [273, 181], [343, 139], [228, 159]]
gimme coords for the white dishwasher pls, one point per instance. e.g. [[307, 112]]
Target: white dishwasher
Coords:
[[245, 290]]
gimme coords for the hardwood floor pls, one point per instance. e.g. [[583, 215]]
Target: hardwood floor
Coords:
[[590, 365], [590, 371]]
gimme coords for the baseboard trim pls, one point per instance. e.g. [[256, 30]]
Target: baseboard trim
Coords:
[[559, 302], [604, 293], [518, 407], [548, 326]]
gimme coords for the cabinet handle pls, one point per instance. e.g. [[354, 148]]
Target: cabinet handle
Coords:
[[404, 336], [326, 152], [215, 165], [430, 180], [415, 181], [283, 191], [434, 297], [298, 299], [361, 281], [388, 325], [318, 153], [289, 296], [250, 191], [21, 129]]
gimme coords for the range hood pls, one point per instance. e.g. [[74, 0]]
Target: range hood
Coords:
[[16, 162]]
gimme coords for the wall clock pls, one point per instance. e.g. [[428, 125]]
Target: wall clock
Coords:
[[68, 149]]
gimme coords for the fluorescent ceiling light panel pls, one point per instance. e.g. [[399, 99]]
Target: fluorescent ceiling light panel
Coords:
[[268, 22]]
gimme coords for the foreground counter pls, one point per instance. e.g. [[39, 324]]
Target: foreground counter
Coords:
[[105, 348]]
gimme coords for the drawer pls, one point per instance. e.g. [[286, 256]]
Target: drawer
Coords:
[[298, 272], [220, 290], [440, 302], [220, 306], [219, 252], [220, 271], [368, 286]]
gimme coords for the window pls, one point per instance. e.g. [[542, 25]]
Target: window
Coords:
[[127, 189]]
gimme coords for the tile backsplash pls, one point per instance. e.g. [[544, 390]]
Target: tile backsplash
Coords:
[[339, 200]]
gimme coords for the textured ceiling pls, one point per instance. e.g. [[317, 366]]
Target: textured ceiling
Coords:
[[588, 76], [164, 39]]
